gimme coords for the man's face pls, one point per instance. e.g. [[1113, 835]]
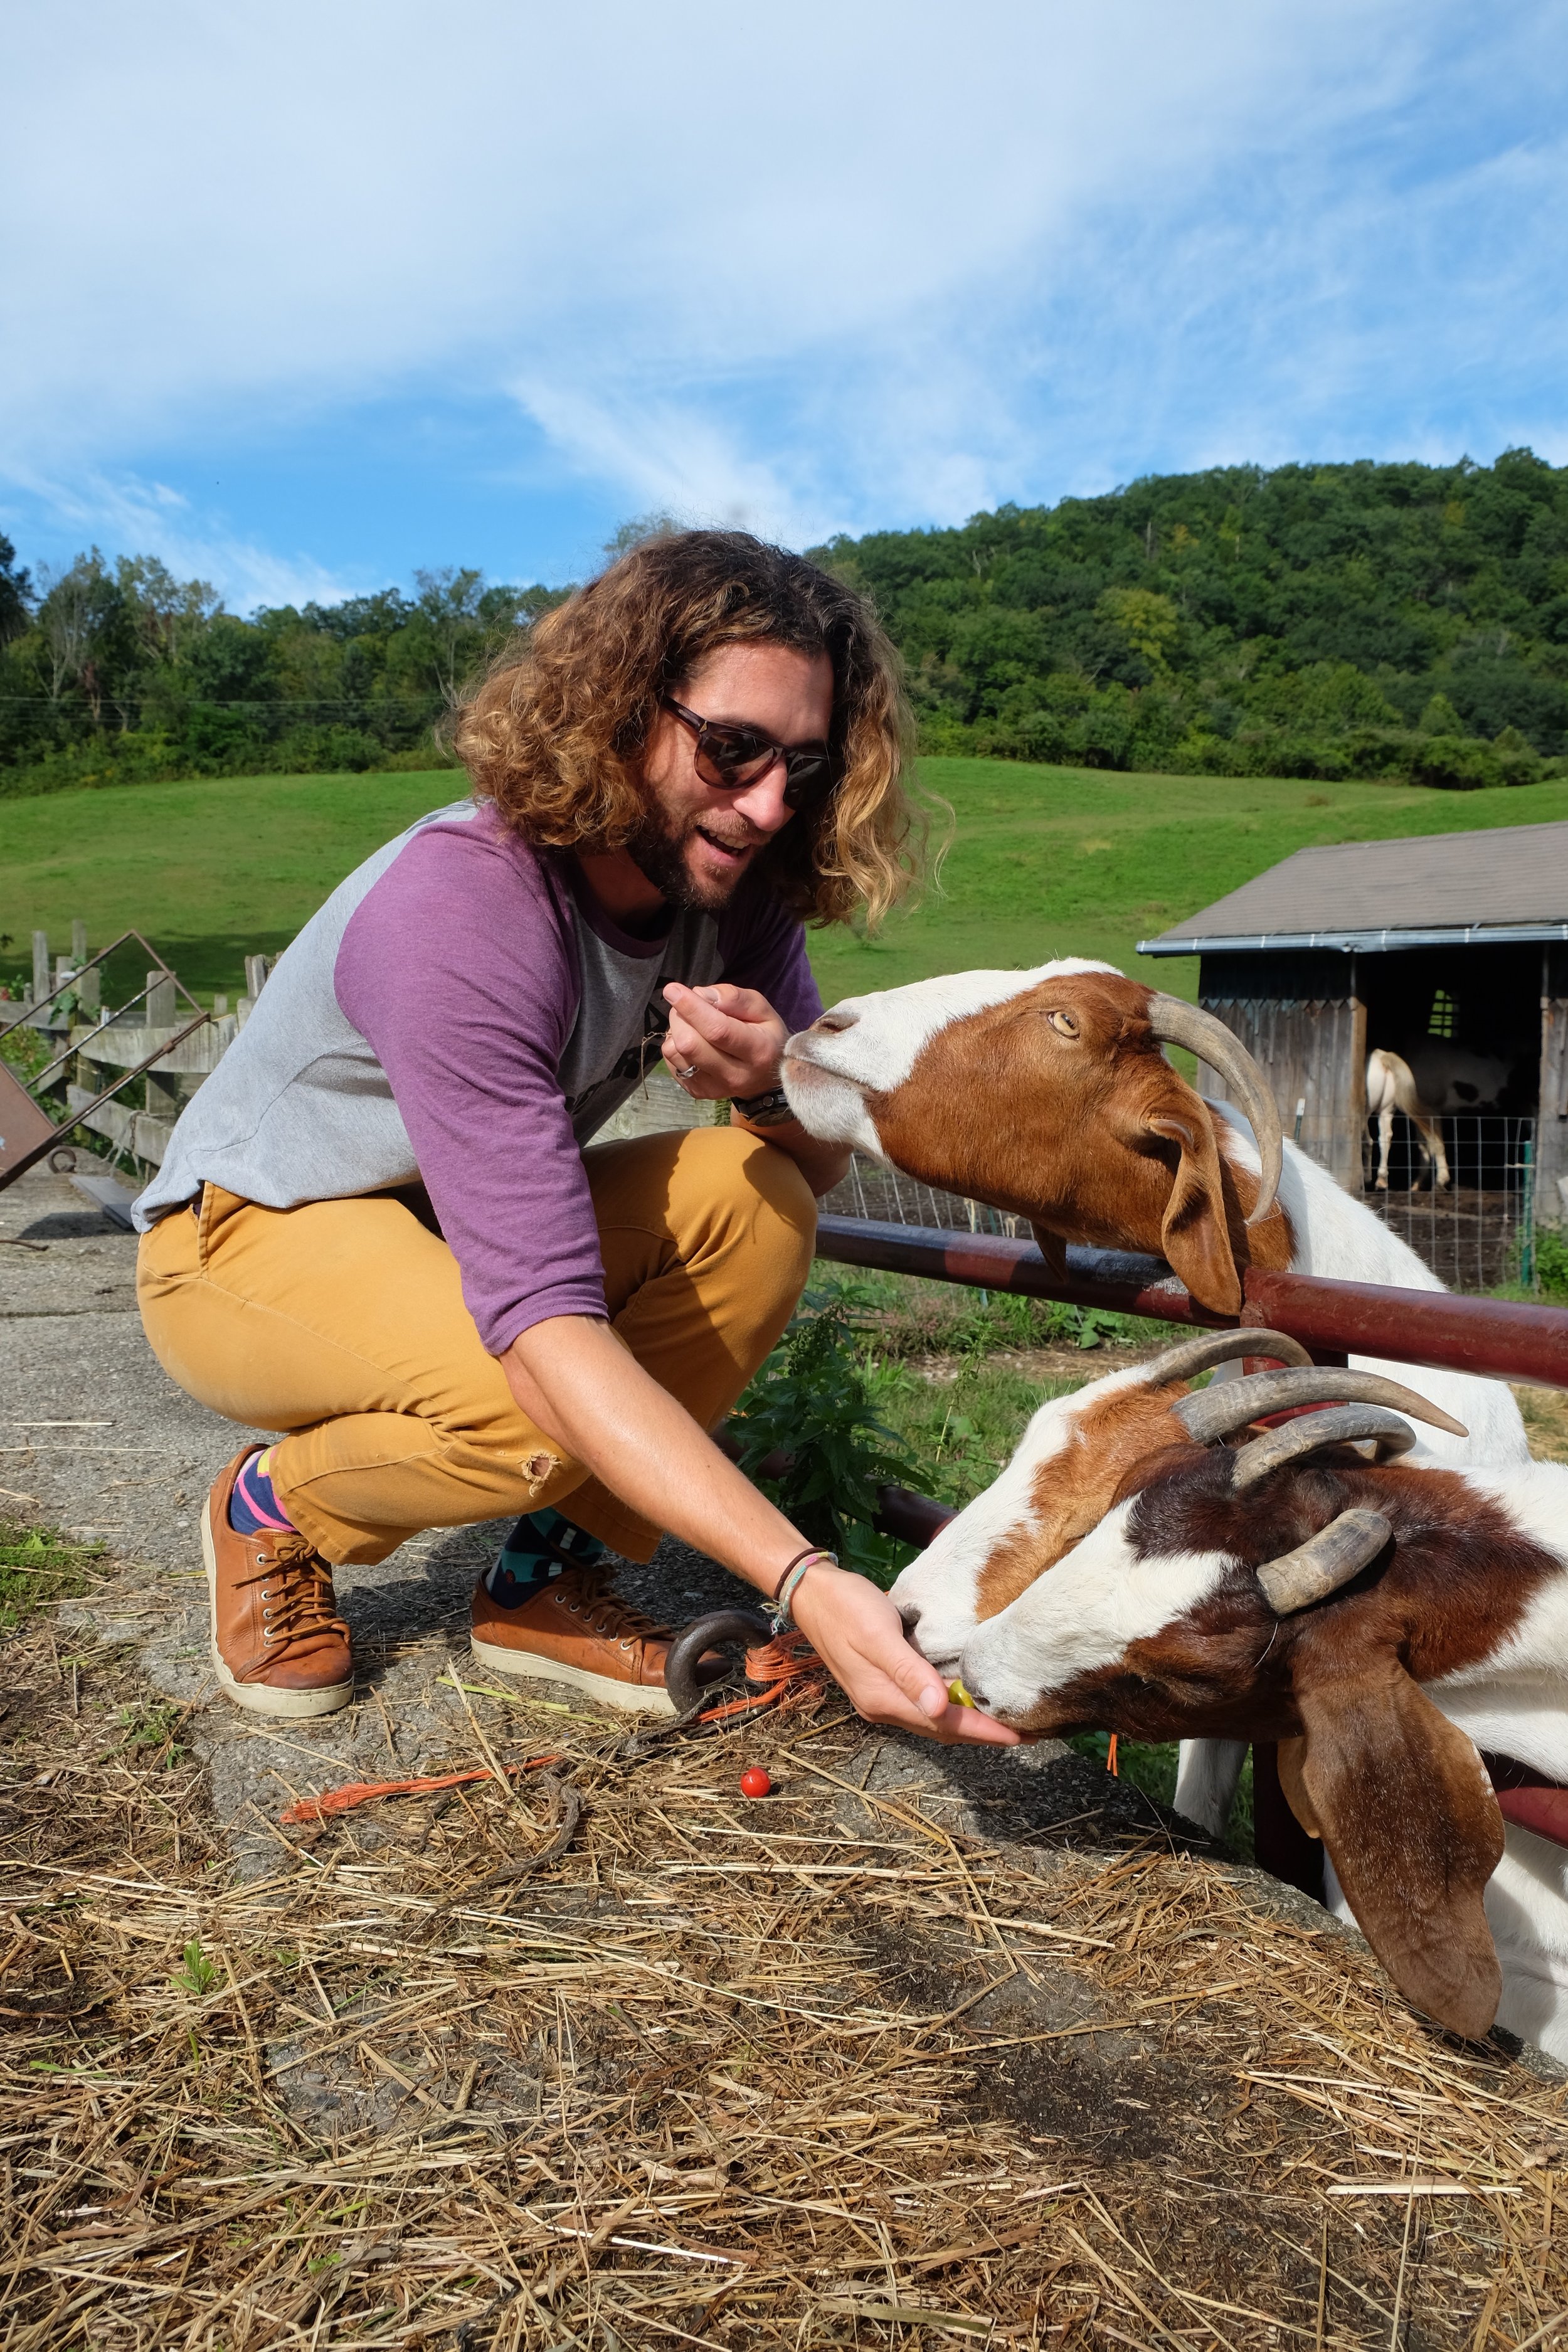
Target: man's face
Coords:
[[697, 842]]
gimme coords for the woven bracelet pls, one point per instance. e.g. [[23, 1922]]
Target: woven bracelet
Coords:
[[779, 1607]]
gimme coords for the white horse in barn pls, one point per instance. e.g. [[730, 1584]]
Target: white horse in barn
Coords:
[[1391, 1087], [1440, 1077]]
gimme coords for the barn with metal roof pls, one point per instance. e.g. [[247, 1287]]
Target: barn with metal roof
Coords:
[[1449, 950]]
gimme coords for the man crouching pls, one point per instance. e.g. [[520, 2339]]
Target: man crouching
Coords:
[[381, 1228]]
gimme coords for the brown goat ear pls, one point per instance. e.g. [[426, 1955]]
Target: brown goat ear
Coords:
[[1193, 1235], [1053, 1249], [1403, 1803]]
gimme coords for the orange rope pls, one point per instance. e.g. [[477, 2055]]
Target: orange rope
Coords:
[[360, 1792], [789, 1666], [1110, 1759]]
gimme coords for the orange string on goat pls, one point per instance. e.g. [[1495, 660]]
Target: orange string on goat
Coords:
[[1110, 1765]]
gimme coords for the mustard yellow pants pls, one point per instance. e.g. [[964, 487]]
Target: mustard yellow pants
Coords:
[[342, 1323]]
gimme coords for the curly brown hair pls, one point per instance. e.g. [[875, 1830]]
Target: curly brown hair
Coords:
[[554, 732]]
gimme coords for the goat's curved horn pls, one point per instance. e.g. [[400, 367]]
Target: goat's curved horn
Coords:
[[1206, 1348], [1220, 1411], [1325, 1561], [1255, 1460], [1178, 1023]]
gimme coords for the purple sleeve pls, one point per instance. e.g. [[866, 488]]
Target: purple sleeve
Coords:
[[456, 969], [764, 948]]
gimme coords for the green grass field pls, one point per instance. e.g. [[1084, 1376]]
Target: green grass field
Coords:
[[1046, 861]]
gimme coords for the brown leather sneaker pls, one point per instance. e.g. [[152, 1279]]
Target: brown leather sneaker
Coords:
[[576, 1631], [278, 1643]]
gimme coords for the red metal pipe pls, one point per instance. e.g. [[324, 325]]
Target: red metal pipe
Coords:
[[1488, 1336]]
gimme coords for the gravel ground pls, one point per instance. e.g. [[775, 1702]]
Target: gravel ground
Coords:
[[97, 1440]]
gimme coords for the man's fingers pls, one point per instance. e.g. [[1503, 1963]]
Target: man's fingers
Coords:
[[719, 1029]]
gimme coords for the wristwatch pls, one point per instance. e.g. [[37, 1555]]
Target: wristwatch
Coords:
[[770, 1109]]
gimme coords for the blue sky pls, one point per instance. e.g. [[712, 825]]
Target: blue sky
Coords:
[[301, 297]]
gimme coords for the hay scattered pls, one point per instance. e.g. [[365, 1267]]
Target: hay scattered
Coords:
[[831, 2069]]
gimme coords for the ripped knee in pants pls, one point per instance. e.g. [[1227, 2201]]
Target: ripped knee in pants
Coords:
[[540, 1468]]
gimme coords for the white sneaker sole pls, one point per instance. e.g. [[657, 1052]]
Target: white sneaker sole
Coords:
[[260, 1698], [631, 1698]]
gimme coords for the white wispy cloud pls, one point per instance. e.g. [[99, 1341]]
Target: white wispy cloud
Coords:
[[821, 270]]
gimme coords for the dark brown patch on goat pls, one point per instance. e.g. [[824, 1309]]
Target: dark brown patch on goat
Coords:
[[1397, 1792]]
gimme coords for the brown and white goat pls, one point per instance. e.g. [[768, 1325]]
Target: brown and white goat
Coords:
[[1047, 1093], [1389, 1622]]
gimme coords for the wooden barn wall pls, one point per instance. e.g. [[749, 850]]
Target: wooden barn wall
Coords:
[[1312, 1051], [1552, 1120]]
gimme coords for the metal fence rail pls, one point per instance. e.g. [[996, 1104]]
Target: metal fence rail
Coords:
[[1501, 1339]]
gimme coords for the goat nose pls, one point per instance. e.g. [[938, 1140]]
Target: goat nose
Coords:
[[839, 1018], [909, 1610]]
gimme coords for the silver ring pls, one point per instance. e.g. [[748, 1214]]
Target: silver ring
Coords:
[[690, 1072]]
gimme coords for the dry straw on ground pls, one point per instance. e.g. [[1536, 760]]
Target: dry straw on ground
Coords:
[[827, 2070]]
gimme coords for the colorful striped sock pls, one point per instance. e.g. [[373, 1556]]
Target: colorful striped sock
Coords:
[[538, 1549], [253, 1507]]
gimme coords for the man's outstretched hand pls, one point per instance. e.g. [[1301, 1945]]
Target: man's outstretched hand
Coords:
[[860, 1636]]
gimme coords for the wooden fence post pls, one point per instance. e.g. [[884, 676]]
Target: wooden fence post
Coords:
[[160, 999], [41, 965]]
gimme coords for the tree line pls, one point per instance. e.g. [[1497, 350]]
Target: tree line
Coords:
[[119, 673], [1400, 621], [1369, 620]]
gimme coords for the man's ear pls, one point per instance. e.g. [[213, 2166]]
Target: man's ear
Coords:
[[1193, 1235], [1404, 1805]]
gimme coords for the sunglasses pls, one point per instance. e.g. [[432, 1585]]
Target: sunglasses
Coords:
[[728, 759]]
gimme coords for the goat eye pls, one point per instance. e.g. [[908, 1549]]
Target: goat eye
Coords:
[[1064, 1024]]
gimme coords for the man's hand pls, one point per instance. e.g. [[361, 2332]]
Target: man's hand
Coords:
[[860, 1636], [730, 1040]]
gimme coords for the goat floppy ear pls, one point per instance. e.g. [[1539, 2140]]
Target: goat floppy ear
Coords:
[[1193, 1235], [1403, 1803]]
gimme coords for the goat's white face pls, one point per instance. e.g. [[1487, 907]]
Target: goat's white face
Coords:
[[941, 1594], [1081, 1620], [869, 1045]]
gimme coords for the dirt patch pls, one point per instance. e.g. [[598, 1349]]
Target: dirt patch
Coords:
[[1545, 1414]]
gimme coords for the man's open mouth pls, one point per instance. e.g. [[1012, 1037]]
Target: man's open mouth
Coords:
[[736, 850]]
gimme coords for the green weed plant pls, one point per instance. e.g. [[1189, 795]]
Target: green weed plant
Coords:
[[37, 1565], [815, 1415]]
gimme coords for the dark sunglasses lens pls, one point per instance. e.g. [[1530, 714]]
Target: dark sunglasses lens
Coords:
[[728, 759], [807, 777]]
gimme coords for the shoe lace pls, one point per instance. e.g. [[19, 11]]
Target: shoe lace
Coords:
[[297, 1592], [604, 1612]]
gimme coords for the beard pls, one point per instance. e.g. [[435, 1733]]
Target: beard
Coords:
[[658, 849]]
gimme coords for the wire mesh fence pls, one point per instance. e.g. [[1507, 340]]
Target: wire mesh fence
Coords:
[[883, 1193], [1468, 1217], [1468, 1211]]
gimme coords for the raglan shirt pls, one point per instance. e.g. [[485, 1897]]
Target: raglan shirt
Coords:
[[463, 1014]]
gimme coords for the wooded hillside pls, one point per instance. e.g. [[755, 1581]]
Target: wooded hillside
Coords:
[[1318, 621], [1331, 621]]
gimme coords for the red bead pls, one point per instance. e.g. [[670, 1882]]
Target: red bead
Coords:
[[756, 1783]]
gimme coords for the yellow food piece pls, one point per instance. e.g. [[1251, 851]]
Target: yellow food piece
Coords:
[[958, 1695]]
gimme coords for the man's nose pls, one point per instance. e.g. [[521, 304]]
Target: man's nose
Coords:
[[763, 803]]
